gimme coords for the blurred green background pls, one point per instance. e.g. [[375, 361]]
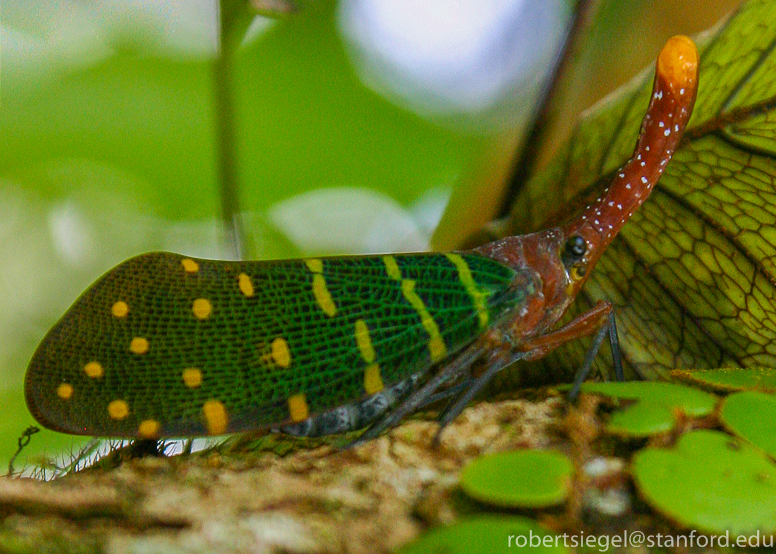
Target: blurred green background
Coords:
[[108, 138]]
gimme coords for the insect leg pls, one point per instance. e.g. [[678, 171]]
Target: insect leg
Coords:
[[454, 390], [498, 362], [420, 397], [614, 343], [601, 319], [610, 328], [459, 388], [581, 326]]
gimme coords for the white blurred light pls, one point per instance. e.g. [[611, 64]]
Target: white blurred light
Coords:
[[457, 56], [356, 220], [72, 234]]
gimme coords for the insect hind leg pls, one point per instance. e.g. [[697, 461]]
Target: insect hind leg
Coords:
[[499, 361], [420, 397]]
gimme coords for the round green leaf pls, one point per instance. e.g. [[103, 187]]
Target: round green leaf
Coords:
[[752, 416], [519, 479], [655, 407], [710, 481], [486, 535], [730, 378]]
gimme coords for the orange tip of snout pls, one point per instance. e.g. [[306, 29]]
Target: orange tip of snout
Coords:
[[678, 62]]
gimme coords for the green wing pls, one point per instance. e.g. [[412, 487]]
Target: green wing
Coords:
[[164, 345]]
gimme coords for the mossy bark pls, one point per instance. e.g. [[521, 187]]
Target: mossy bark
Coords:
[[234, 499]]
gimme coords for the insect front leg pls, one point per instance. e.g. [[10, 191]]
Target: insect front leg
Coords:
[[610, 328], [601, 319]]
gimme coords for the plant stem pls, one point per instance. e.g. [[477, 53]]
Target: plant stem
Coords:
[[235, 17]]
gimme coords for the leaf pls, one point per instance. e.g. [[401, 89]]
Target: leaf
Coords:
[[519, 478], [657, 406], [710, 482], [693, 274], [487, 534], [752, 416], [730, 379]]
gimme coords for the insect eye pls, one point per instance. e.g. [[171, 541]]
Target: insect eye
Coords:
[[576, 246], [574, 250]]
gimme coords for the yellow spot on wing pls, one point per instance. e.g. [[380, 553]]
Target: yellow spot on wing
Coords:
[[139, 345], [364, 342], [297, 407], [437, 348], [322, 295], [118, 409], [245, 284], [392, 268], [280, 352], [192, 377], [202, 308], [148, 429], [436, 345], [478, 297], [373, 382], [216, 419], [65, 391], [94, 370], [119, 309], [315, 265], [189, 265]]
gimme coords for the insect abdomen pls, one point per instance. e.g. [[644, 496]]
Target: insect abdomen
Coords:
[[164, 345], [355, 415]]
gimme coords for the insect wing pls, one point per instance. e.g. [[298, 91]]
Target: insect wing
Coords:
[[164, 345]]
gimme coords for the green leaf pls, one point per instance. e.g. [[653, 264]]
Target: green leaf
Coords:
[[711, 482], [656, 408], [487, 534], [730, 379], [519, 479], [752, 416], [693, 274]]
